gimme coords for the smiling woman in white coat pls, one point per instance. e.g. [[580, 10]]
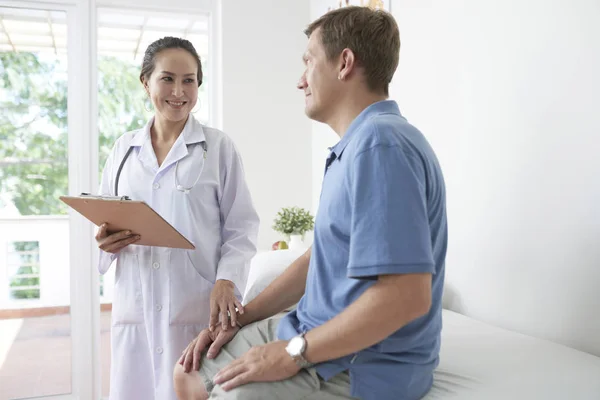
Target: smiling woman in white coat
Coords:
[[191, 175]]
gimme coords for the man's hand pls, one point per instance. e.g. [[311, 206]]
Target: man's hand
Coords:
[[192, 355], [222, 300], [115, 242], [266, 363]]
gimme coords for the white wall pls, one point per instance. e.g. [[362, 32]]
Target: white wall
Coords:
[[262, 109], [507, 92]]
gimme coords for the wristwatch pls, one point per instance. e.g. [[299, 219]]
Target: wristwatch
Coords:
[[296, 348]]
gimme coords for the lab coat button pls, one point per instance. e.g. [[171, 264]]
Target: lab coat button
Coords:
[[159, 350], [158, 307], [156, 186], [156, 265]]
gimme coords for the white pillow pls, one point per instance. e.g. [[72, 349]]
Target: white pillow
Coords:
[[450, 298], [265, 268]]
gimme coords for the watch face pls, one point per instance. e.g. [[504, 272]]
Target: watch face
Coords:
[[295, 345]]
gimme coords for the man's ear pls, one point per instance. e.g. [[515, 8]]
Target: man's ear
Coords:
[[347, 64]]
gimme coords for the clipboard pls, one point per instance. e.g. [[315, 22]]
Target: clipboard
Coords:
[[121, 213]]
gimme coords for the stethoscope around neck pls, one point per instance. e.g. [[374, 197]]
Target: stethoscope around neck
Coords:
[[178, 186]]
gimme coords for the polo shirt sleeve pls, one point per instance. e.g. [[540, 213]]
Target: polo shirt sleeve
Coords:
[[389, 222]]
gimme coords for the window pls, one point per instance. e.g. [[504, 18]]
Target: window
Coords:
[[23, 265], [34, 225], [55, 97]]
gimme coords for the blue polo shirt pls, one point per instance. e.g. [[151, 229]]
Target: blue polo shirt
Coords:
[[382, 211]]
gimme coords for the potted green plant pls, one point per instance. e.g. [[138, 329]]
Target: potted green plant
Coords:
[[293, 223]]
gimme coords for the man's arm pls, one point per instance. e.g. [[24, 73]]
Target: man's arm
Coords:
[[391, 303], [282, 293]]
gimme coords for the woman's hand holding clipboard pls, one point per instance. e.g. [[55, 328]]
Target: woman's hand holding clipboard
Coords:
[[118, 215], [113, 243]]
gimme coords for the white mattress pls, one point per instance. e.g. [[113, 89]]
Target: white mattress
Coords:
[[479, 361]]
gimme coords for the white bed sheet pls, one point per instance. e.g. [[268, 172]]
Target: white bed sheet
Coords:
[[480, 361]]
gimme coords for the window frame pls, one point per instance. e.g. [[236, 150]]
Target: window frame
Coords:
[[83, 161]]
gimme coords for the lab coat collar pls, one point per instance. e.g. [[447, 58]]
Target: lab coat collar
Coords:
[[192, 133], [146, 152]]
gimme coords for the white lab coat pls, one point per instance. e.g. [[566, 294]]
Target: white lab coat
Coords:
[[161, 295]]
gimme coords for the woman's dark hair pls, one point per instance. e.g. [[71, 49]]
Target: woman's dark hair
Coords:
[[168, 42]]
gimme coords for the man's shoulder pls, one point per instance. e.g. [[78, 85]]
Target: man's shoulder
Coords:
[[388, 130], [389, 139], [385, 131]]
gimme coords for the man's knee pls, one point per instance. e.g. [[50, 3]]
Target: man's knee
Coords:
[[249, 391], [188, 386]]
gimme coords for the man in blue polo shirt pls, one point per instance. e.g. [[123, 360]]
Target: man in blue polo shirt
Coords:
[[369, 318]]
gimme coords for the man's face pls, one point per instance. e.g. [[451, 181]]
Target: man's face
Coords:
[[319, 80]]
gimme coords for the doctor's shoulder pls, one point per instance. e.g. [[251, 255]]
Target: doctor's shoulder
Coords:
[[219, 141], [124, 141]]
